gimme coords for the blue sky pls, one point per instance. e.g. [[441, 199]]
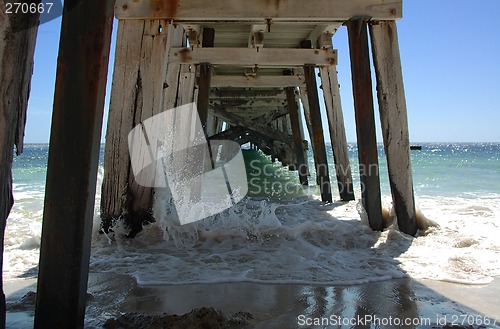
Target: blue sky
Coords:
[[449, 51]]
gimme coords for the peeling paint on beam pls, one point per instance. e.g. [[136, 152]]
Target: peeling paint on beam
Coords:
[[258, 11]]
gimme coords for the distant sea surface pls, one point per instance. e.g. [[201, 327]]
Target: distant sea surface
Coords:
[[295, 239]]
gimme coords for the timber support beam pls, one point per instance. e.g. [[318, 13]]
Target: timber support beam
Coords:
[[254, 124], [293, 109], [251, 57], [205, 75], [322, 172], [250, 81], [331, 94], [365, 121], [73, 162], [241, 10], [393, 115], [18, 33], [140, 90]]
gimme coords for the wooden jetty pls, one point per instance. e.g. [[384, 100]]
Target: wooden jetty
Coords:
[[251, 66]]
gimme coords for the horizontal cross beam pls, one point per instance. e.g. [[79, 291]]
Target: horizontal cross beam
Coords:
[[255, 124], [264, 81], [321, 29], [258, 11], [230, 94], [248, 103], [243, 135], [262, 114], [274, 57]]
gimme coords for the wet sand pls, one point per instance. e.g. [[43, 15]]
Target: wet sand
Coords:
[[429, 304]]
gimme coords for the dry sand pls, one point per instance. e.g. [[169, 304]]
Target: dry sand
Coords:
[[432, 304]]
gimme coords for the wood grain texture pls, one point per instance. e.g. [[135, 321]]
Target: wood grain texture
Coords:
[[295, 123], [222, 81], [141, 89], [322, 172], [73, 162], [125, 101], [365, 121], [265, 57], [307, 118], [16, 68], [258, 11], [394, 119], [204, 77], [333, 105]]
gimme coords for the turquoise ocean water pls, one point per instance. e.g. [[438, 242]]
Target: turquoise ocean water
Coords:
[[456, 185], [439, 169]]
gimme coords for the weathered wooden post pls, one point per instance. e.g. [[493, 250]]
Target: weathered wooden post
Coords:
[[141, 88], [365, 120], [333, 105], [307, 118], [331, 94], [322, 171], [305, 143], [205, 75], [73, 161], [17, 47], [212, 123], [293, 111], [392, 107]]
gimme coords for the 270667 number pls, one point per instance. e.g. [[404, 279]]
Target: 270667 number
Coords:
[[28, 8]]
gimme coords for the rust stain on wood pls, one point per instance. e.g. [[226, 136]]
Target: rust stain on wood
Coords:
[[185, 55], [172, 8], [164, 8]]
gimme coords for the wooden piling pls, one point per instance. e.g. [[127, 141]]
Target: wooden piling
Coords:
[[305, 143], [393, 116], [365, 121], [73, 161], [322, 172], [17, 47], [338, 138], [205, 74], [307, 118], [140, 90], [175, 38], [212, 122], [293, 110]]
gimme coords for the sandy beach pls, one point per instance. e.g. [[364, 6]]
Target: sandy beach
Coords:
[[421, 304]]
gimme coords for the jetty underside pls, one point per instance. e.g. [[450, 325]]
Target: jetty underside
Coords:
[[252, 68]]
